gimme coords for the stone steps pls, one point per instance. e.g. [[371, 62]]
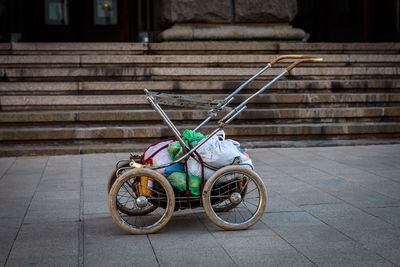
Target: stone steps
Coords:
[[259, 132], [135, 117], [187, 87], [88, 97], [193, 48], [54, 102], [131, 146], [190, 73], [246, 60]]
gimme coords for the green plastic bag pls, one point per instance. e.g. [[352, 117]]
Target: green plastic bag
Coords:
[[193, 137], [178, 181], [175, 149]]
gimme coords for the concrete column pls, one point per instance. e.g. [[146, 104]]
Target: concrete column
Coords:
[[191, 20]]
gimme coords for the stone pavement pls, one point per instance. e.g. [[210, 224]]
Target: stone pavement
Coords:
[[332, 206]]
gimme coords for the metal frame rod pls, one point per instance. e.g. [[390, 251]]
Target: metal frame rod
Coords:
[[230, 97], [243, 85], [208, 137], [213, 113], [243, 104], [166, 120], [235, 115], [203, 123]]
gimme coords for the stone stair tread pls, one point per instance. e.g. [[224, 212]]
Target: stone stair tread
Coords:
[[159, 131], [149, 114], [132, 146], [32, 100], [193, 47], [179, 73], [156, 60], [133, 87]]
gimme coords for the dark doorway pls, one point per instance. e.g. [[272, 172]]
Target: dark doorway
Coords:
[[349, 20], [82, 20]]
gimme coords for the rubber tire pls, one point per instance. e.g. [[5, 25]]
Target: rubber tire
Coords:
[[113, 177], [122, 208], [209, 209], [112, 200]]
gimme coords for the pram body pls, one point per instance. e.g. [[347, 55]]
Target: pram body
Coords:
[[142, 201]]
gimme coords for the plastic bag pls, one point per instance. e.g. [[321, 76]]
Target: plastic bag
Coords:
[[222, 153], [193, 137], [160, 158], [175, 150], [177, 167], [194, 168], [178, 181], [189, 137]]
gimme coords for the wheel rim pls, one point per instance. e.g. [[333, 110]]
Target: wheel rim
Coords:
[[128, 196], [235, 198], [132, 210]]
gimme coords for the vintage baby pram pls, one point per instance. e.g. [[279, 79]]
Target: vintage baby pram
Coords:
[[142, 201]]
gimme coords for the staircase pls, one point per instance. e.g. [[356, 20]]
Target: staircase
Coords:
[[68, 98]]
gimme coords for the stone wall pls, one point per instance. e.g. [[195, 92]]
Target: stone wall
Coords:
[[187, 20]]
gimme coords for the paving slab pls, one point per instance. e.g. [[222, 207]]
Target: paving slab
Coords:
[[106, 245], [8, 231], [327, 206]]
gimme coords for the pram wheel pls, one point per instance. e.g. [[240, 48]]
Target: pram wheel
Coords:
[[234, 198], [133, 210], [126, 190]]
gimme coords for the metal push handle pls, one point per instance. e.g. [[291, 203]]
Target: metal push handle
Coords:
[[311, 59], [242, 106], [280, 58], [230, 97]]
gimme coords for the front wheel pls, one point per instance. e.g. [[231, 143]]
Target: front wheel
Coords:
[[129, 210], [126, 190], [238, 188]]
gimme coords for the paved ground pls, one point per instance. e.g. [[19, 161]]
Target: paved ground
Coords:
[[335, 206]]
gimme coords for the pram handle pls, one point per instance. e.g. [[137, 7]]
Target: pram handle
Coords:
[[311, 59], [283, 57]]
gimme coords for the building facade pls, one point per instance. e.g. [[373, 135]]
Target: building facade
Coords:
[[185, 20]]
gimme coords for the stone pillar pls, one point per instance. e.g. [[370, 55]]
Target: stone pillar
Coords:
[[197, 20]]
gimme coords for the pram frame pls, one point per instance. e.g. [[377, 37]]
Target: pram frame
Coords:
[[228, 99], [130, 170]]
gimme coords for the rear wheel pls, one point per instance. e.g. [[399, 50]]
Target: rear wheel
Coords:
[[125, 190], [234, 198]]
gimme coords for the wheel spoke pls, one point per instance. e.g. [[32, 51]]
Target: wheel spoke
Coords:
[[236, 188], [134, 217]]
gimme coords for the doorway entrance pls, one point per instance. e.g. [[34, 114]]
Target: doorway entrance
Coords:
[[83, 21]]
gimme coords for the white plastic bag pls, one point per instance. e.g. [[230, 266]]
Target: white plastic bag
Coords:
[[218, 154], [161, 158], [194, 168], [221, 153]]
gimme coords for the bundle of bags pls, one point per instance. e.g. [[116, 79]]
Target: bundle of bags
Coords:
[[217, 152]]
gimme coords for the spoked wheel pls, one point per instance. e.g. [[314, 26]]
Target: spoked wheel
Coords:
[[113, 176], [234, 198], [126, 191], [130, 210], [226, 205]]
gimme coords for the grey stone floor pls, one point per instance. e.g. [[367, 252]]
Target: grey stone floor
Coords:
[[335, 206]]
